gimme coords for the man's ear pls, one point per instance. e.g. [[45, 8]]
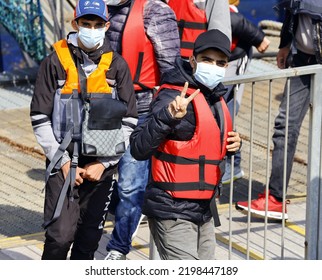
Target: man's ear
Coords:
[[107, 26], [192, 61], [74, 25]]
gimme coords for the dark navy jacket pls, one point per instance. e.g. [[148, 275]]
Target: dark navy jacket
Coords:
[[246, 32]]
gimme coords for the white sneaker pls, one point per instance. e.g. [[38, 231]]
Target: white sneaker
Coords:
[[238, 174], [115, 256]]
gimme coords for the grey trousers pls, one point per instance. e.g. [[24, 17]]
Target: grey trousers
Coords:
[[183, 240]]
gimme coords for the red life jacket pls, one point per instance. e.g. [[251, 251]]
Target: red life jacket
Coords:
[[190, 169], [138, 51], [192, 21]]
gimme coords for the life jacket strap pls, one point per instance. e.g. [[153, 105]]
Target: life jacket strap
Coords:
[[183, 160], [214, 211], [185, 186]]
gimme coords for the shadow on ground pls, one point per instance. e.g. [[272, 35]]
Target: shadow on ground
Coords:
[[17, 221], [240, 192]]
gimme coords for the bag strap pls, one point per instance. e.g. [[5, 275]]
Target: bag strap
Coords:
[[70, 181], [82, 81], [75, 128]]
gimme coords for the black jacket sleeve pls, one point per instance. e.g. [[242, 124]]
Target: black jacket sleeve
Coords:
[[158, 125], [245, 31], [50, 71]]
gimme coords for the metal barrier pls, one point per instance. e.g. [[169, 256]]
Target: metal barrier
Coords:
[[230, 237], [313, 236]]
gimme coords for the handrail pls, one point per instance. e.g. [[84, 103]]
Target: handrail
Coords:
[[270, 75]]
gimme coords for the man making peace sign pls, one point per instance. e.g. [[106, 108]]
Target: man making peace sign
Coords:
[[188, 134]]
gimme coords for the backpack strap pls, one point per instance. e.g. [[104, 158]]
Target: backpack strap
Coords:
[[70, 181]]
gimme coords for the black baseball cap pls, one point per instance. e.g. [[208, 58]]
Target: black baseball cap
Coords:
[[213, 38]]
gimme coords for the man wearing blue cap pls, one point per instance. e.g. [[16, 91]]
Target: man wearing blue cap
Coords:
[[83, 70]]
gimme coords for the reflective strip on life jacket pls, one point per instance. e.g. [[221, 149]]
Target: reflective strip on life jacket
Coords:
[[191, 169], [138, 50], [96, 81]]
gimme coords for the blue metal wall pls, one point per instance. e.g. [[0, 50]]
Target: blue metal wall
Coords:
[[258, 10]]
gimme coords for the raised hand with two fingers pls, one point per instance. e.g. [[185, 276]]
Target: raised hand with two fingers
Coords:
[[178, 107]]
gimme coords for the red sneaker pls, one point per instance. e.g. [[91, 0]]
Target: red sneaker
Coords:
[[257, 206]]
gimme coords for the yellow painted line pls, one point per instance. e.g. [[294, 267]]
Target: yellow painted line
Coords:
[[243, 250], [40, 246], [18, 241], [32, 239], [295, 228], [253, 255], [37, 239], [145, 249], [239, 248]]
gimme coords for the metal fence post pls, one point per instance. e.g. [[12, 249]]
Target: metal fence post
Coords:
[[313, 235]]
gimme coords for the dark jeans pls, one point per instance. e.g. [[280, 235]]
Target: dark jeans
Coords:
[[81, 221], [298, 105], [132, 181]]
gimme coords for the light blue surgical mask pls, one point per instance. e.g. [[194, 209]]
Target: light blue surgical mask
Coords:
[[210, 75], [90, 38]]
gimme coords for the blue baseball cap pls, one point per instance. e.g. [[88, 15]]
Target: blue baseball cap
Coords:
[[91, 7]]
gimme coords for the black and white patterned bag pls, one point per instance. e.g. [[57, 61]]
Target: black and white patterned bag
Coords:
[[102, 133]]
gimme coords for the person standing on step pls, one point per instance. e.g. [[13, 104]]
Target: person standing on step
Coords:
[[300, 45]]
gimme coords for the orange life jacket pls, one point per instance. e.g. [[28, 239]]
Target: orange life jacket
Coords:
[[138, 51], [192, 21], [96, 81], [190, 169]]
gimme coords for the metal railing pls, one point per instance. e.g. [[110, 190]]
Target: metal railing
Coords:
[[313, 235]]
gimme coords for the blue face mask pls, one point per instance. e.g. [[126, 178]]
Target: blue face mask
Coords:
[[90, 38], [210, 75]]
